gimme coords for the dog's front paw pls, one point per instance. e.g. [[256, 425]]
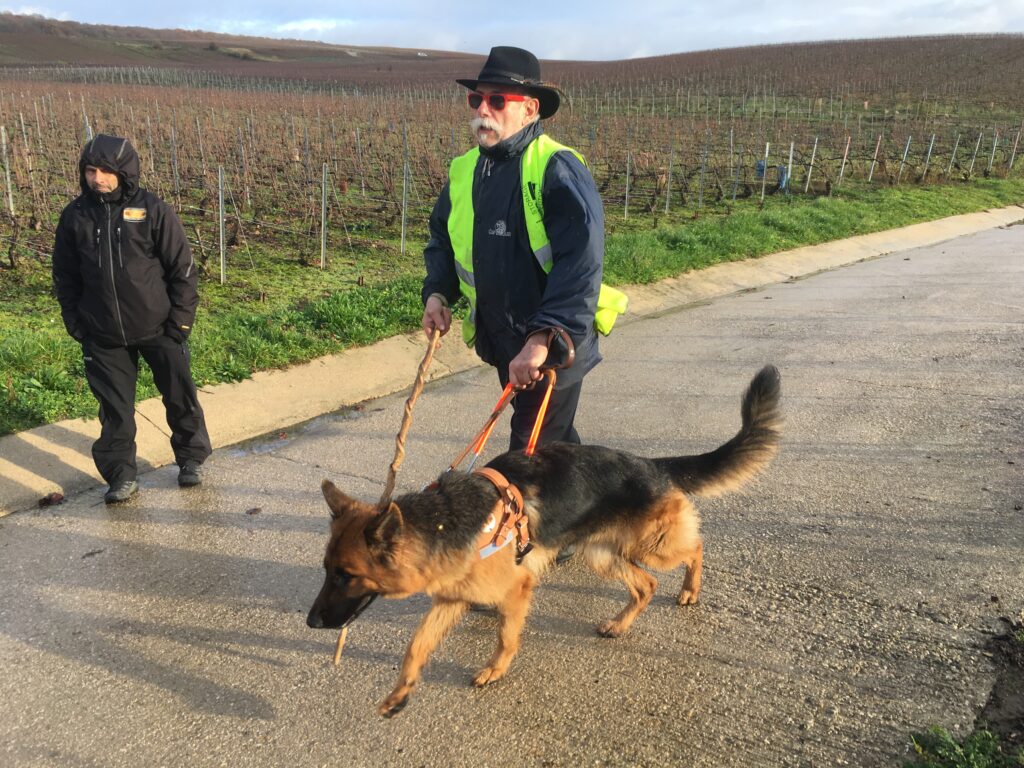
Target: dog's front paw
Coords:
[[611, 628], [394, 703], [688, 597], [488, 675]]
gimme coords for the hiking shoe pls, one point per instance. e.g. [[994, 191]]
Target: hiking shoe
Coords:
[[121, 491], [189, 474]]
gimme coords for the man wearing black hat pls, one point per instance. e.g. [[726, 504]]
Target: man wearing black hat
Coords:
[[124, 276], [519, 232]]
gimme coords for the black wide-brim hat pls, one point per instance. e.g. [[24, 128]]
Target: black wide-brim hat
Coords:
[[514, 66]]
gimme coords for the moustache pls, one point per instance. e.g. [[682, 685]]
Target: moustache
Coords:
[[483, 122]]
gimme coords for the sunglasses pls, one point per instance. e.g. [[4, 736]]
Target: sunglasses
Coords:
[[495, 101]]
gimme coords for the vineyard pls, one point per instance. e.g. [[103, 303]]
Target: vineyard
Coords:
[[353, 164], [296, 189]]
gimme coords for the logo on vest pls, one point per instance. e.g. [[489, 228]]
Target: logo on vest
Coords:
[[500, 229]]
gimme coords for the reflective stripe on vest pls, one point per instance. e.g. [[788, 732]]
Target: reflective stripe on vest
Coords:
[[533, 165]]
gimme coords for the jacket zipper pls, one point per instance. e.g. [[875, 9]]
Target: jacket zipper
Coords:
[[99, 252], [119, 259], [113, 279]]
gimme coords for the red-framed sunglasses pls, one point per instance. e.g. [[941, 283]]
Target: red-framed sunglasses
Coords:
[[495, 101]]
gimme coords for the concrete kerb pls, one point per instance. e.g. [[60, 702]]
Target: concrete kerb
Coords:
[[56, 457]]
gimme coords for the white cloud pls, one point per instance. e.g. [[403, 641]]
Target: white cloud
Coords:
[[35, 10], [314, 26], [572, 29]]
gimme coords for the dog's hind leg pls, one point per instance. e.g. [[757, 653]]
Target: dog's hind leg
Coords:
[[438, 622], [673, 539], [641, 586], [691, 583], [512, 611]]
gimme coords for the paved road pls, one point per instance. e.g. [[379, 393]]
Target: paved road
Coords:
[[849, 598]]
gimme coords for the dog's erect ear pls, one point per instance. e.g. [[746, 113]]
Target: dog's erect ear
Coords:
[[339, 503], [383, 531]]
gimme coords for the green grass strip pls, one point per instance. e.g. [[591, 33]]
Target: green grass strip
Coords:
[[668, 250], [43, 381], [981, 749]]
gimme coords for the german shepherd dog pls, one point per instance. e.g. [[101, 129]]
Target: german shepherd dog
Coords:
[[621, 512]]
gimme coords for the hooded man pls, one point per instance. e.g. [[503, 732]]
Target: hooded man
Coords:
[[519, 232], [126, 282]]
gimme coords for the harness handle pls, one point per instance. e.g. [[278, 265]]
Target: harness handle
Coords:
[[476, 445], [535, 434]]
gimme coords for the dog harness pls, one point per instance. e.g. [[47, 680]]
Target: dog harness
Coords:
[[507, 521]]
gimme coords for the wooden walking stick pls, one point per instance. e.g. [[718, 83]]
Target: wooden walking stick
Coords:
[[389, 486]]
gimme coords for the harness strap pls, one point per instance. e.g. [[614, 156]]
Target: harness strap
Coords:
[[507, 521]]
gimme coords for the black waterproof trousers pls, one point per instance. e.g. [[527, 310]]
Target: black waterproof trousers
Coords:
[[112, 373], [558, 421]]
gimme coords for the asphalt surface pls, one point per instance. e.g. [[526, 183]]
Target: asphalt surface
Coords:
[[850, 597], [55, 458]]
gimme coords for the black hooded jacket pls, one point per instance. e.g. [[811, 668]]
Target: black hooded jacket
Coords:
[[122, 267]]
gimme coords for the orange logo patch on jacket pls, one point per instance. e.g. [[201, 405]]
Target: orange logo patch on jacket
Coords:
[[134, 214]]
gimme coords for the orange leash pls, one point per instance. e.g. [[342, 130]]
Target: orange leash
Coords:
[[476, 445]]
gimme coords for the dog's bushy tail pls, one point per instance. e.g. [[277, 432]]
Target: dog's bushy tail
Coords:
[[731, 465]]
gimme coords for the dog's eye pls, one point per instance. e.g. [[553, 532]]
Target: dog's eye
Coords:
[[341, 576]]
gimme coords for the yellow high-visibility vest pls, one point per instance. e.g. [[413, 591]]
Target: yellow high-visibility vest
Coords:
[[610, 302]]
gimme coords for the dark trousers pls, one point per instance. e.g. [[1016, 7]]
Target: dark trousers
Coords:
[[112, 373], [558, 421]]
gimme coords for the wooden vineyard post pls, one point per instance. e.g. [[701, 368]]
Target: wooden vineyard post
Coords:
[[1013, 155], [85, 121], [245, 169], [152, 151], [323, 219], [202, 153], [28, 162], [903, 162], [405, 182], [928, 158], [842, 168], [970, 171], [220, 219], [736, 174], [7, 171], [810, 168], [730, 151], [764, 173], [625, 209], [174, 165], [874, 158], [703, 166], [952, 157], [359, 158], [995, 143], [668, 179], [789, 166]]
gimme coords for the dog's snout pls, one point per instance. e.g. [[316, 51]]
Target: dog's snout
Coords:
[[315, 620]]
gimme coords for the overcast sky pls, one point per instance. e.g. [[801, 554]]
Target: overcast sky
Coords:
[[598, 29]]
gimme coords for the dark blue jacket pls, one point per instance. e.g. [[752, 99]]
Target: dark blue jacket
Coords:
[[514, 295]]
